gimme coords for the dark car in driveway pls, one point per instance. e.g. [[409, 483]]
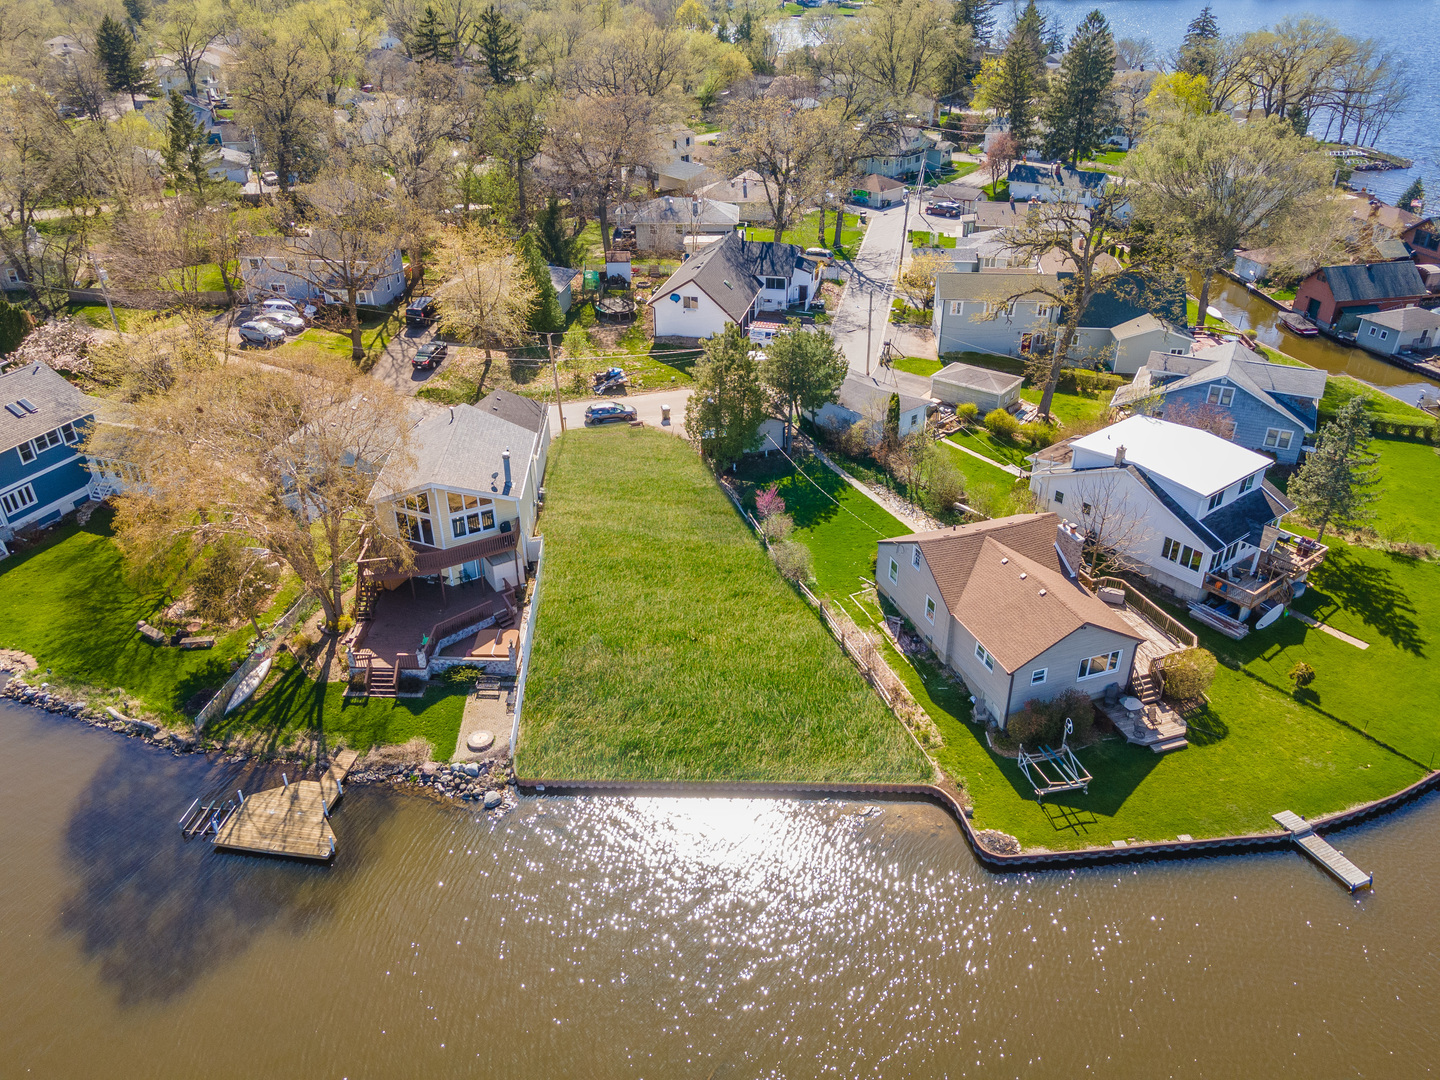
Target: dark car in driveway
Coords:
[[609, 412], [420, 312], [430, 354]]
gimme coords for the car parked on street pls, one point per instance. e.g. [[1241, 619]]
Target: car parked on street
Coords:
[[609, 412], [285, 320], [259, 332], [430, 355]]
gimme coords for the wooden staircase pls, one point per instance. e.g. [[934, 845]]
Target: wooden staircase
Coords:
[[366, 590], [382, 682], [1148, 687]]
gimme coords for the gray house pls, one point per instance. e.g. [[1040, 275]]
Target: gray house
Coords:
[[1391, 332], [999, 602], [1269, 407], [865, 399]]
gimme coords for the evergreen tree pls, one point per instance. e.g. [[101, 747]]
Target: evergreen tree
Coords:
[[1413, 198], [557, 248], [545, 314], [498, 40], [14, 325], [1298, 119], [187, 155], [979, 15], [136, 11], [120, 60], [727, 407], [1080, 110], [803, 369], [429, 41], [1331, 487], [1011, 83], [1196, 55], [892, 419]]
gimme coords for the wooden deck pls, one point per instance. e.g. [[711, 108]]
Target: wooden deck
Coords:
[[1341, 868], [1157, 726], [289, 820]]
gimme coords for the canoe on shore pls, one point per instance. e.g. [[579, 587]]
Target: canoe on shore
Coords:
[[248, 686]]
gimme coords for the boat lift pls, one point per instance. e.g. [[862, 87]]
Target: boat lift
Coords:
[[1052, 771]]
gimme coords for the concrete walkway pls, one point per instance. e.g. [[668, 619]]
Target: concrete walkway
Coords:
[[1011, 469]]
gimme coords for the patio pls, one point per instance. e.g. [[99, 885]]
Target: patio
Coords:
[[402, 617]]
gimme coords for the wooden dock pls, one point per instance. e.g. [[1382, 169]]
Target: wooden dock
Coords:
[[1348, 874], [291, 819]]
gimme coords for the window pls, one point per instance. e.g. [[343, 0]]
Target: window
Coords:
[[894, 571], [679, 230], [67, 432], [278, 288], [775, 283], [1059, 496], [1372, 331], [957, 307], [1099, 665], [1215, 562], [1220, 395], [27, 452], [915, 556], [1183, 554], [478, 519], [413, 520], [690, 303], [49, 439], [1217, 499], [17, 499], [1384, 334], [1247, 484], [1230, 552], [1042, 311], [1085, 508], [1276, 439], [1038, 676], [984, 657], [929, 610]]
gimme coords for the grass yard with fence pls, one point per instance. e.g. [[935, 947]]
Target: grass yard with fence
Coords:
[[668, 647]]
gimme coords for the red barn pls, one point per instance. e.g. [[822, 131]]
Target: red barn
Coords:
[[1336, 296]]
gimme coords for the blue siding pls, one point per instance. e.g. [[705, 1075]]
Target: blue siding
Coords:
[[67, 477], [1253, 418]]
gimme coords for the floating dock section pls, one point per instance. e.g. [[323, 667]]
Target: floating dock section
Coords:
[[1348, 874], [292, 819]]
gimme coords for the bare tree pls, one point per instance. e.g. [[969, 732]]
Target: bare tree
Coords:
[[791, 148], [307, 443], [187, 29], [411, 134], [279, 83], [1003, 153], [595, 140], [1206, 417], [342, 33], [487, 298], [1116, 526]]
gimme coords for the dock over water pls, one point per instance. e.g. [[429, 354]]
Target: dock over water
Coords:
[[291, 819], [1348, 874]]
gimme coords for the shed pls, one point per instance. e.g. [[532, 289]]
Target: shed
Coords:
[[563, 278], [988, 389], [617, 264]]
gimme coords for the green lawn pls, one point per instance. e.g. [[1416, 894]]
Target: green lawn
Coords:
[[997, 192], [1074, 409], [98, 315], [291, 704], [1339, 389], [1003, 451], [917, 365], [1407, 490], [71, 604], [669, 648], [806, 233]]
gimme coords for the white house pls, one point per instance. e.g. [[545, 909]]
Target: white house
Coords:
[[666, 223], [562, 279], [732, 281], [999, 602], [1056, 183], [294, 271], [864, 399], [1192, 511]]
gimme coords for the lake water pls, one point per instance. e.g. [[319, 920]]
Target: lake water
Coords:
[[672, 938]]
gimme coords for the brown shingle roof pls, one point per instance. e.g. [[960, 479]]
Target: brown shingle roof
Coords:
[[1002, 580]]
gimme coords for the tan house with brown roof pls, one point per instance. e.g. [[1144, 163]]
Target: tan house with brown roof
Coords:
[[998, 602]]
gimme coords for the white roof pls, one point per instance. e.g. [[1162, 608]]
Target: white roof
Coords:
[[1194, 459]]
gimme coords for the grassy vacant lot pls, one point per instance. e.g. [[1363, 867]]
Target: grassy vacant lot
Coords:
[[669, 648], [292, 705], [806, 233], [70, 604], [1408, 471], [1256, 750]]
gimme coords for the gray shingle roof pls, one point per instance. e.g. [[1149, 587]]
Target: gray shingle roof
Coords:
[[523, 412], [1406, 318], [996, 286], [679, 210], [55, 400], [1374, 281], [728, 271], [1069, 179], [462, 448], [864, 395], [995, 382], [561, 277]]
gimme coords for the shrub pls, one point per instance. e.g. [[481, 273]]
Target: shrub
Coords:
[[1085, 381], [768, 501], [1302, 675], [1001, 424], [1044, 721], [967, 411], [792, 560], [1188, 674], [776, 527], [944, 486], [1040, 435]]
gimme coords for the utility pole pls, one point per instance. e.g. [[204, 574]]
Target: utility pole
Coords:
[[868, 323], [104, 278], [555, 371]]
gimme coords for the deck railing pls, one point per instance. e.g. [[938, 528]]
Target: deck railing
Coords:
[[1138, 600]]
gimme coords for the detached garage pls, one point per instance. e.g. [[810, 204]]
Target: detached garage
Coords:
[[958, 383]]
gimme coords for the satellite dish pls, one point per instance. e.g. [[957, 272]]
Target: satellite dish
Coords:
[[674, 297]]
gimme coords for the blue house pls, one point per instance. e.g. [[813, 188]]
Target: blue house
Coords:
[[1269, 408], [42, 473]]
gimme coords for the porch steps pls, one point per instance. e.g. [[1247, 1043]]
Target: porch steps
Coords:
[[1147, 688], [382, 683]]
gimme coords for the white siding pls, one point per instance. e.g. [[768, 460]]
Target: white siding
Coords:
[[674, 319]]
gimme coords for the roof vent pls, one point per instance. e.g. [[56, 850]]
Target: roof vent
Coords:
[[1023, 575], [1042, 592], [1004, 560]]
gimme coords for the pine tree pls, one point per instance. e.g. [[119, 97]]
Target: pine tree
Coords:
[[556, 247], [187, 155], [1413, 198], [120, 61], [1331, 487], [1080, 109], [136, 11], [15, 323], [1196, 55], [429, 41], [979, 15], [892, 418], [545, 314], [1011, 83], [498, 40]]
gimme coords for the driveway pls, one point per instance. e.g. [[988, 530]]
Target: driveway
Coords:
[[871, 276], [647, 408], [393, 366]]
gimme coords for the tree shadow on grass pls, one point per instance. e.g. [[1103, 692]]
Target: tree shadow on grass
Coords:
[[157, 913], [1371, 593]]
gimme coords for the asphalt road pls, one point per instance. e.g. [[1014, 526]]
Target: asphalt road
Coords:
[[871, 275], [647, 408]]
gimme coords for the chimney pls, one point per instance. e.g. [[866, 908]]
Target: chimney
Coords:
[[745, 189], [1119, 456], [506, 456], [1069, 545]]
